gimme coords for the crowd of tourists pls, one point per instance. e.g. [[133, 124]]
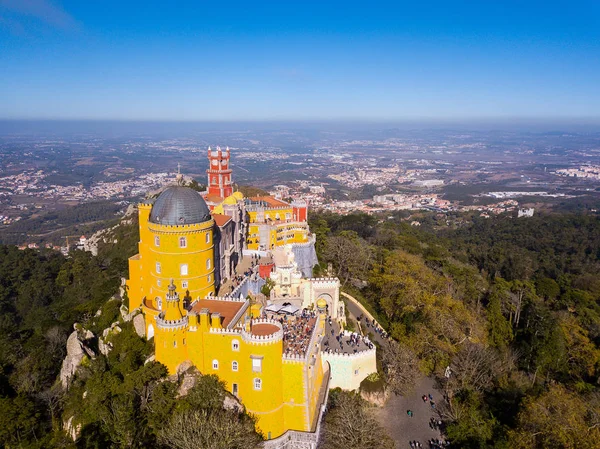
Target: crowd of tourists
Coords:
[[297, 331]]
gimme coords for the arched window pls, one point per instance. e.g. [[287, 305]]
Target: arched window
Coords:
[[159, 302], [215, 364], [156, 240], [158, 267], [182, 242], [235, 345], [208, 237], [208, 264], [183, 269], [257, 384], [234, 366], [209, 278]]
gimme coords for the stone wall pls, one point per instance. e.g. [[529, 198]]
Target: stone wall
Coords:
[[349, 370]]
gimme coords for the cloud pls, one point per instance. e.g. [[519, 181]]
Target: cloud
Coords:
[[43, 10]]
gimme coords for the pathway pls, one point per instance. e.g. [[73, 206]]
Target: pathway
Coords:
[[402, 428]]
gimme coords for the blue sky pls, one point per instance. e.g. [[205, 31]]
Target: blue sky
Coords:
[[228, 60]]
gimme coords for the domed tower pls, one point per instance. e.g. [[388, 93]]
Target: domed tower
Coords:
[[219, 173], [176, 243]]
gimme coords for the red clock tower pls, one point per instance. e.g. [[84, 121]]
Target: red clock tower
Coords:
[[219, 173]]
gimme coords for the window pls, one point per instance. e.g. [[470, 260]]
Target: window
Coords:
[[288, 215], [209, 278], [158, 267], [257, 384], [208, 237], [234, 366], [183, 342], [158, 282], [257, 365], [356, 372], [183, 269], [174, 343], [158, 302], [184, 284], [182, 242], [235, 389], [235, 345], [215, 364], [208, 264], [156, 240]]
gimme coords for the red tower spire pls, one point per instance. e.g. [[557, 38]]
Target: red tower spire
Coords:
[[219, 173]]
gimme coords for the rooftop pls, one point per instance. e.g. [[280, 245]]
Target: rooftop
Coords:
[[227, 309], [264, 329]]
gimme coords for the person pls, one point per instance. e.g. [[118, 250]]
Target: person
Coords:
[[430, 397], [424, 398]]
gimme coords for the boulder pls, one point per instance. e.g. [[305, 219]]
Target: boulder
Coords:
[[230, 402], [75, 354], [139, 325]]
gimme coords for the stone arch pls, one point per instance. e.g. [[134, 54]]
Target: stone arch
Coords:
[[150, 332], [327, 297]]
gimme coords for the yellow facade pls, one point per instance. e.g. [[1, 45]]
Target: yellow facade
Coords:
[[279, 234], [184, 253], [287, 395], [222, 336]]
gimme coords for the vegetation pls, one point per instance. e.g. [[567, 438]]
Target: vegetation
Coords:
[[121, 400], [511, 306], [350, 424]]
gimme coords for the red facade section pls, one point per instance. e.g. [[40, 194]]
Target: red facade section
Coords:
[[219, 173]]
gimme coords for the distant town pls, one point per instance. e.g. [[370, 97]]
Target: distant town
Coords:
[[479, 173]]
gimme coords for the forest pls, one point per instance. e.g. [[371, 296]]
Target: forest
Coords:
[[510, 305]]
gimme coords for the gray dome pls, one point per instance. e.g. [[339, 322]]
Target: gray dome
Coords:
[[178, 206]]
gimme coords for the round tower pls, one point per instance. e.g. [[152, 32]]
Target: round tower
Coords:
[[171, 331], [178, 245]]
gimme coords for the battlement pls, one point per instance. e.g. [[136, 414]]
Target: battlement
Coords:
[[324, 282], [171, 324], [293, 358], [217, 330], [217, 298], [263, 331], [181, 229], [328, 355]]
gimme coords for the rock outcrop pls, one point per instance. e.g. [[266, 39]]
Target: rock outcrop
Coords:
[[76, 351], [139, 325]]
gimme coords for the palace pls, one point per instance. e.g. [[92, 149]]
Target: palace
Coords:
[[269, 353]]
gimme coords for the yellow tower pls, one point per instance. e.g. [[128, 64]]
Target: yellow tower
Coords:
[[171, 331], [176, 243]]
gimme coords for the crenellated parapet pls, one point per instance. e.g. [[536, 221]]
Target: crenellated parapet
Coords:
[[329, 355], [171, 324], [182, 229], [293, 358], [255, 336], [218, 298], [223, 331]]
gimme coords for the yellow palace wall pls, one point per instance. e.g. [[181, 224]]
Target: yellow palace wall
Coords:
[[289, 388]]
